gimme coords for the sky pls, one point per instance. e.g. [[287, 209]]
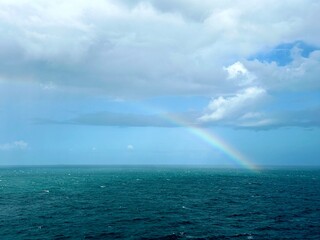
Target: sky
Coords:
[[228, 83]]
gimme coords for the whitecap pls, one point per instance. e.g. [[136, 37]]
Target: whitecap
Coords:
[[46, 191]]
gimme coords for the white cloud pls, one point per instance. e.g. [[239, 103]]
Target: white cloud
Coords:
[[235, 70], [239, 73], [146, 48], [234, 107], [300, 75], [16, 145], [130, 147], [151, 47], [48, 86], [256, 120]]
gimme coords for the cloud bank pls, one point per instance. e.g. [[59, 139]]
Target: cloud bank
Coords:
[[148, 48], [229, 112], [143, 49]]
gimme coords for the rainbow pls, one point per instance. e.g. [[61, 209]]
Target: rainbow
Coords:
[[213, 140]]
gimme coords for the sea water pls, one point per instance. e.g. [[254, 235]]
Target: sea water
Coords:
[[135, 202]]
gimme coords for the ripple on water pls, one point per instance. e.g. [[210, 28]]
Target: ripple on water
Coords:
[[194, 203]]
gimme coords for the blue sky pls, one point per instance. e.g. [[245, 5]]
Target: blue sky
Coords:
[[100, 82]]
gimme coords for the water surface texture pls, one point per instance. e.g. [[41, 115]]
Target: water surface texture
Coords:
[[158, 203]]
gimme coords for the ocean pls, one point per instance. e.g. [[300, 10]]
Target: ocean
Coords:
[[158, 202]]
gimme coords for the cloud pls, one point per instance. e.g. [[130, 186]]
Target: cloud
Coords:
[[239, 111], [141, 49], [242, 105], [302, 74], [239, 73], [147, 48], [119, 119], [48, 86], [308, 118], [125, 119], [16, 145], [130, 147], [284, 53]]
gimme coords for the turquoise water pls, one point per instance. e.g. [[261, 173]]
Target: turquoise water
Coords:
[[158, 203]]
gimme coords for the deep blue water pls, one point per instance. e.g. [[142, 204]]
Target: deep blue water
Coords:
[[158, 203]]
